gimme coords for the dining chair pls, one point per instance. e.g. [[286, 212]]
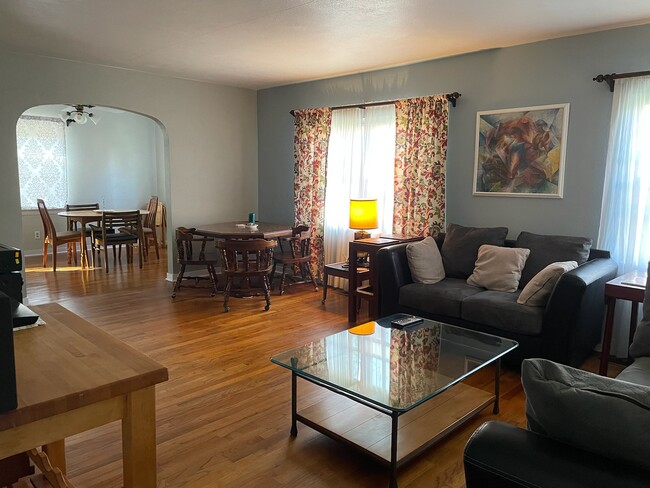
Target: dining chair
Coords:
[[192, 252], [126, 229], [295, 253], [72, 223], [250, 261], [54, 238], [149, 228]]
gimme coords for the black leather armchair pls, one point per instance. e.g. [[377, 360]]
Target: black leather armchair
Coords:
[[505, 456]]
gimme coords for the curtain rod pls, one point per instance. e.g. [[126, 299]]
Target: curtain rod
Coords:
[[452, 97], [611, 78]]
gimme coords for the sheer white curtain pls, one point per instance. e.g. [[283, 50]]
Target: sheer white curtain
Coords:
[[625, 214], [360, 164]]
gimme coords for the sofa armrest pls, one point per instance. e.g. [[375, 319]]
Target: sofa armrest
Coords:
[[506, 456], [574, 313], [393, 273]]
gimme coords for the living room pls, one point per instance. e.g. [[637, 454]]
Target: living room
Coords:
[[230, 151]]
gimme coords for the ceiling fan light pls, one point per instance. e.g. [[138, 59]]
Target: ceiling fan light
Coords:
[[80, 118]]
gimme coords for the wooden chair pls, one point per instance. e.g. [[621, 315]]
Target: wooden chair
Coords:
[[54, 238], [192, 252], [72, 224], [149, 228], [295, 252], [250, 261], [127, 229]]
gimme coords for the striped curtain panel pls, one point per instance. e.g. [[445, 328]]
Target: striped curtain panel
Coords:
[[310, 144], [420, 158]]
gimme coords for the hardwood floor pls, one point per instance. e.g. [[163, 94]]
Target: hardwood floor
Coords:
[[223, 417]]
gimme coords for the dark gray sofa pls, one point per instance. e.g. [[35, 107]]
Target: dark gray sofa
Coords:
[[584, 429], [565, 330]]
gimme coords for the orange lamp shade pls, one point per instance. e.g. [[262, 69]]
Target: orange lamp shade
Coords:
[[364, 329], [363, 214]]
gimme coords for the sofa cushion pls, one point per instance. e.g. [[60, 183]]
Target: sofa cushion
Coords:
[[641, 344], [461, 244], [442, 298], [538, 290], [498, 268], [638, 372], [500, 310], [425, 261], [545, 250], [595, 413]]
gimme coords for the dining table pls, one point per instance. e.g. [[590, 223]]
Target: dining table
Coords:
[[242, 230], [88, 217]]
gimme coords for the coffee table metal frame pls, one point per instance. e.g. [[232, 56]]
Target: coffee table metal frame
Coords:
[[393, 463]]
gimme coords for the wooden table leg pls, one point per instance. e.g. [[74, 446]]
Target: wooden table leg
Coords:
[[139, 439], [325, 278], [607, 336], [56, 453], [353, 283]]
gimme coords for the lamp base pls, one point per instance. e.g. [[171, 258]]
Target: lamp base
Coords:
[[361, 234]]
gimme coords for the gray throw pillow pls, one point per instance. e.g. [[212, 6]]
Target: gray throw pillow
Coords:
[[538, 290], [595, 413], [425, 261], [641, 344], [545, 250], [460, 247], [498, 268]]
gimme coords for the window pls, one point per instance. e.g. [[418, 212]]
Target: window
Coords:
[[41, 161], [625, 213], [360, 164]]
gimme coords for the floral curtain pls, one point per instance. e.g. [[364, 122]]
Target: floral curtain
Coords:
[[310, 145], [420, 159]]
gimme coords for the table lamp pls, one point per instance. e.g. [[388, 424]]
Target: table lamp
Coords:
[[363, 215]]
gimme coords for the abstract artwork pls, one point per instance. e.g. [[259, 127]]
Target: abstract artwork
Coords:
[[520, 152]]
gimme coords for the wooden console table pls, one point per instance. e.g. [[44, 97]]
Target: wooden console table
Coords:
[[71, 377], [620, 289], [370, 293]]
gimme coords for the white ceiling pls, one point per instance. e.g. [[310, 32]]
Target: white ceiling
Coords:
[[263, 43]]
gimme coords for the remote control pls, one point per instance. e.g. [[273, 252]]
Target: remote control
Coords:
[[406, 321]]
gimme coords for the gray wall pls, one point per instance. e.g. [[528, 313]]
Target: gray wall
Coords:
[[210, 134], [549, 72]]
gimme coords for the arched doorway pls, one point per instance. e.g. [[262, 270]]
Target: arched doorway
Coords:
[[117, 158]]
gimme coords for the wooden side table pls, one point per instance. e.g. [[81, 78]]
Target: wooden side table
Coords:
[[341, 270], [621, 288], [370, 246]]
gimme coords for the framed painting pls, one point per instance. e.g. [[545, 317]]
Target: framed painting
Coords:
[[520, 152]]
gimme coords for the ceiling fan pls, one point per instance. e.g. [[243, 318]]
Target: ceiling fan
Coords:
[[78, 115]]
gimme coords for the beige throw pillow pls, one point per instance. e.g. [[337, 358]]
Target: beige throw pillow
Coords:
[[538, 290], [498, 268], [425, 261]]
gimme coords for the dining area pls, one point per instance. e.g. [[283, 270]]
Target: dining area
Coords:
[[238, 259], [90, 231], [251, 258]]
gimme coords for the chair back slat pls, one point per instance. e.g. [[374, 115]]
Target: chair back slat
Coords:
[[48, 225], [150, 219], [191, 247], [191, 250], [246, 255], [72, 224]]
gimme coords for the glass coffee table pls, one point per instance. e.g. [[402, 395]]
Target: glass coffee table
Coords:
[[395, 392]]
